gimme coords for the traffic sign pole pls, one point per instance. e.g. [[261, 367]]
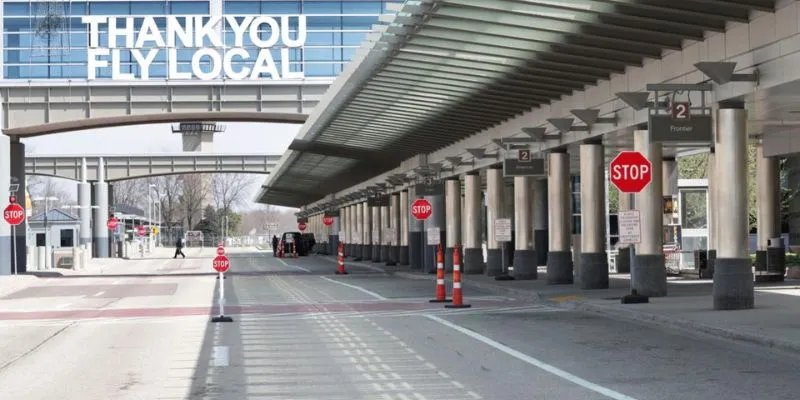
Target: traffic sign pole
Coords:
[[221, 317]]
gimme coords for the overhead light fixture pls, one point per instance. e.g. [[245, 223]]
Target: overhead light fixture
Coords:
[[722, 72], [636, 100]]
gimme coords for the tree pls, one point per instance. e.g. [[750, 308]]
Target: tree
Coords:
[[260, 218], [52, 195], [168, 190], [229, 190], [191, 198], [130, 192], [209, 225]]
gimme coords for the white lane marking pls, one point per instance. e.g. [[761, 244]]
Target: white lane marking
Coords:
[[474, 395], [221, 356], [373, 294], [293, 266], [457, 384], [100, 293], [65, 305], [533, 361]]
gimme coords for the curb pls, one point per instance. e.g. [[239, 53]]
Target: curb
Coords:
[[626, 314]]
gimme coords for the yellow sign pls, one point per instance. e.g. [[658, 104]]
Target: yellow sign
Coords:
[[154, 230]]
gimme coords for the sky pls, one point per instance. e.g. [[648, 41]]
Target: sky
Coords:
[[239, 138]]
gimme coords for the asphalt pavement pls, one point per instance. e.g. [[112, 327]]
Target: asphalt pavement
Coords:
[[302, 332]]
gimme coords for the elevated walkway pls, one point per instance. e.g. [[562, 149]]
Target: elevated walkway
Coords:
[[122, 167]]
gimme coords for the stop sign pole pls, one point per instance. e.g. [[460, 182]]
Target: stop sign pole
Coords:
[[221, 277], [14, 214]]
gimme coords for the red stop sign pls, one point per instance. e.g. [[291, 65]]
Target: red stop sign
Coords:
[[328, 221], [220, 251], [421, 209], [221, 263], [14, 214], [112, 223], [631, 172], [302, 226], [141, 231]]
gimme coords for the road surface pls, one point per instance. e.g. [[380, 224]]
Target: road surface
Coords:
[[301, 332]]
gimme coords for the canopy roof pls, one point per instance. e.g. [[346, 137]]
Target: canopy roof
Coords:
[[439, 71]]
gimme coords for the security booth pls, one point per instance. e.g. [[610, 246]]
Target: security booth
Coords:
[[690, 230]]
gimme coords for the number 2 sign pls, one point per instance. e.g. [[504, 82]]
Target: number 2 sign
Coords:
[[680, 110]]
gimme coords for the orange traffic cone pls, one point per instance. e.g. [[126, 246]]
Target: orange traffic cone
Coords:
[[341, 270], [458, 299], [441, 293]]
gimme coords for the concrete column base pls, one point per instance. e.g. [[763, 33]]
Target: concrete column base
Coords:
[[594, 271], [358, 252], [494, 262], [559, 268], [403, 255], [472, 263], [416, 250], [333, 244], [623, 261], [733, 284], [347, 249], [710, 262], [384, 253], [375, 255], [366, 251], [525, 265], [448, 259], [393, 255], [649, 275], [541, 242]]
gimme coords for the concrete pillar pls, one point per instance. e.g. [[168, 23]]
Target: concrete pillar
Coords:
[[436, 220], [473, 251], [416, 236], [403, 238], [494, 211], [345, 221], [733, 276], [366, 231], [394, 226], [112, 235], [333, 234], [453, 221], [383, 242], [358, 232], [355, 248], [648, 274], [594, 260], [375, 231], [771, 255], [669, 176], [540, 241], [713, 215], [6, 254], [17, 176], [99, 194], [525, 267], [508, 212], [559, 256]]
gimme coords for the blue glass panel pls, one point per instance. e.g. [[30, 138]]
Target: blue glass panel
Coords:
[[109, 8], [317, 54], [362, 7], [16, 9], [348, 53], [242, 7], [358, 22], [148, 8], [280, 7], [322, 7], [78, 8], [318, 69], [317, 22], [189, 7], [353, 38], [319, 39], [16, 24]]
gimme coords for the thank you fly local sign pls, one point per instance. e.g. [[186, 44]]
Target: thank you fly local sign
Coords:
[[212, 58]]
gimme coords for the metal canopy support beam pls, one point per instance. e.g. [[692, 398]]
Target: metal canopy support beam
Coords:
[[723, 72], [565, 125], [591, 117]]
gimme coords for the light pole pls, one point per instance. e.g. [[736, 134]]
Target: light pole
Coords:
[[150, 216]]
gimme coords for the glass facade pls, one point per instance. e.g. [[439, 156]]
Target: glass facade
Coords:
[[48, 40]]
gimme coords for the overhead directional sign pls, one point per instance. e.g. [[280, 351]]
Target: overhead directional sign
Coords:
[[421, 209], [523, 165], [680, 125], [631, 172]]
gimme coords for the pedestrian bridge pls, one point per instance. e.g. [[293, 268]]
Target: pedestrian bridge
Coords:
[[122, 167], [47, 107]]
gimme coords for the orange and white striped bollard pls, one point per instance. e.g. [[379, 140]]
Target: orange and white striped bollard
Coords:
[[441, 291], [458, 297], [341, 270]]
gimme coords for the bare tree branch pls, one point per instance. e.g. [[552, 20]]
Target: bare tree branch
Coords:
[[131, 192], [229, 190], [191, 198], [48, 188]]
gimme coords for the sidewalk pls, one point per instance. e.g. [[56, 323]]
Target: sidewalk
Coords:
[[775, 322]]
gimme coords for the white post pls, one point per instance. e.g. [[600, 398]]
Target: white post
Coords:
[[221, 294]]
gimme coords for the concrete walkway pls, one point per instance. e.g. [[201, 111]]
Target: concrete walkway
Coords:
[[775, 322]]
